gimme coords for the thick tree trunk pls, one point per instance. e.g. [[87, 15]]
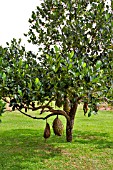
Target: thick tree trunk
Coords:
[[70, 124]]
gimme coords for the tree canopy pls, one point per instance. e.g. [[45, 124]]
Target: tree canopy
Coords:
[[76, 34], [74, 61]]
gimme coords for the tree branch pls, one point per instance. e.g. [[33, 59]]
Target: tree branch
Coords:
[[41, 107], [106, 99], [54, 112], [5, 100], [50, 101]]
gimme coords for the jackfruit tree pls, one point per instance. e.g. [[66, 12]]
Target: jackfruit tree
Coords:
[[73, 63]]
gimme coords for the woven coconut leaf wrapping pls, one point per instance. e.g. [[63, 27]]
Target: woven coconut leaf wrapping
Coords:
[[58, 127], [47, 131]]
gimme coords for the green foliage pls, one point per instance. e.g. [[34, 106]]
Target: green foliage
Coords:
[[74, 41], [73, 25], [18, 73]]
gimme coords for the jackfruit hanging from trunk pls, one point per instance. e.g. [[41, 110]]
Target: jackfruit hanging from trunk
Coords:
[[59, 100], [66, 106]]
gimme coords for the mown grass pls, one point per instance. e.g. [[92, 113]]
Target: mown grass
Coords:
[[22, 145]]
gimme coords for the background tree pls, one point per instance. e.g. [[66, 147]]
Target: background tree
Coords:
[[74, 62]]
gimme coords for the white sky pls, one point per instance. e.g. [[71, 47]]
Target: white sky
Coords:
[[14, 15]]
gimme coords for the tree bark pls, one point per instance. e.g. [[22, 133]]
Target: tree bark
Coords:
[[70, 124]]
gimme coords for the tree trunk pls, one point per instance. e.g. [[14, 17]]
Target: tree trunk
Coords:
[[70, 124]]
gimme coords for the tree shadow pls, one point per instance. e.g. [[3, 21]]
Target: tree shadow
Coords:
[[29, 145], [99, 139], [23, 147], [29, 140]]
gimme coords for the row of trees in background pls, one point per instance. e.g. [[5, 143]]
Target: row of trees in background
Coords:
[[74, 61]]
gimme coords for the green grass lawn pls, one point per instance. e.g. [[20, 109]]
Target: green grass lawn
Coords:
[[22, 145]]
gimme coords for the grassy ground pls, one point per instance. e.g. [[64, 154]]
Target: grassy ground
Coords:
[[22, 146]]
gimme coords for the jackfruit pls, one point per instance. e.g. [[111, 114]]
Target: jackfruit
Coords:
[[85, 108], [66, 106], [59, 100], [58, 126], [47, 131]]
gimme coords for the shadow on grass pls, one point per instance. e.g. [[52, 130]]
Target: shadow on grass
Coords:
[[25, 145], [100, 140], [28, 138]]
